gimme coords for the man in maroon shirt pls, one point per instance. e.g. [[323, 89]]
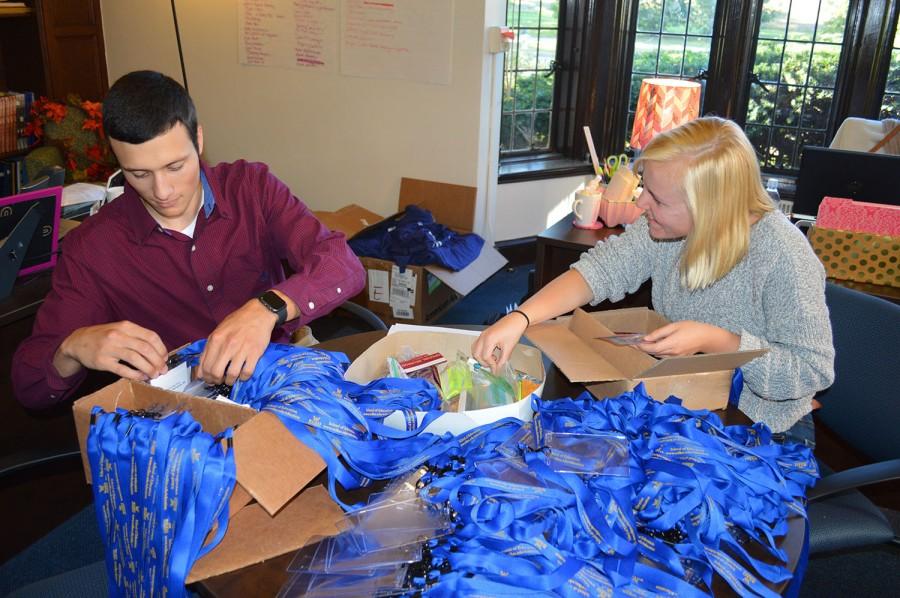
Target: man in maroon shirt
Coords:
[[188, 251]]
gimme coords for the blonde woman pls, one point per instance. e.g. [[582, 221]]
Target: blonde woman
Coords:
[[729, 271]]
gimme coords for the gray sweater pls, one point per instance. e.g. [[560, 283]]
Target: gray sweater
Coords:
[[774, 298]]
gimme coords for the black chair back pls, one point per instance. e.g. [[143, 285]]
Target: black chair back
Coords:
[[863, 404]]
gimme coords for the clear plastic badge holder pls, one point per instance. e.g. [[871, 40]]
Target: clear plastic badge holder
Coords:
[[512, 470], [524, 436], [342, 554], [603, 453], [380, 582], [397, 523]]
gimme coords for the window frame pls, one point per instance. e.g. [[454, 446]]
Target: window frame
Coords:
[[595, 47]]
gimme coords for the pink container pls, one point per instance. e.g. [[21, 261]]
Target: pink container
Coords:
[[616, 213], [858, 216]]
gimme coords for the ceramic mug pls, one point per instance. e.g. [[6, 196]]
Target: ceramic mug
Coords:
[[586, 207]]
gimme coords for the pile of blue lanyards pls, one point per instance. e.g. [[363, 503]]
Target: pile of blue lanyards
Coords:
[[696, 493], [160, 484]]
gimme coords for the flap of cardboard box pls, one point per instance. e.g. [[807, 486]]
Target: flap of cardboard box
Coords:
[[349, 220], [272, 465], [253, 536], [705, 390], [632, 319], [214, 416], [695, 364], [451, 205], [464, 281], [572, 344]]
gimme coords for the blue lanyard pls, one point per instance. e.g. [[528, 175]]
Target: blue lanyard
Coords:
[[159, 487], [693, 488]]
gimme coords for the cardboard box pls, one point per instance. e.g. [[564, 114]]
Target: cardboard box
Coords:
[[701, 381], [373, 362], [273, 467], [419, 294], [863, 257]]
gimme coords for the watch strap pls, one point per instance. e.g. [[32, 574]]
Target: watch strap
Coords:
[[274, 304]]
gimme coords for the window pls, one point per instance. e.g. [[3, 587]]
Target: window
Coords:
[[788, 71], [890, 103], [528, 76], [798, 53]]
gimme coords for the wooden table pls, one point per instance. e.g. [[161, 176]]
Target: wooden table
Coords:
[[562, 244], [267, 578]]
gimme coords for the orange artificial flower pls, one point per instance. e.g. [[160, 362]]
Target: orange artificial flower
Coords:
[[55, 111]]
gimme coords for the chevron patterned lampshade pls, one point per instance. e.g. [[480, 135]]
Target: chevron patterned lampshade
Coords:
[[662, 105]]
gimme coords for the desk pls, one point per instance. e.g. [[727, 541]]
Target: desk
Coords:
[[562, 244], [266, 578]]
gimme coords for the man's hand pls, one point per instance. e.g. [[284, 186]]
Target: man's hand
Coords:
[[235, 346], [687, 338], [105, 346]]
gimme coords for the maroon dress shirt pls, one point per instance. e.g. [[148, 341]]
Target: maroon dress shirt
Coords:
[[121, 265]]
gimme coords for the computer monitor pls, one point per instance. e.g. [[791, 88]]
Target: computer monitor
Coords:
[[862, 176], [43, 242]]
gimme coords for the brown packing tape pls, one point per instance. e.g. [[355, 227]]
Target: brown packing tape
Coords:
[[272, 465], [253, 536]]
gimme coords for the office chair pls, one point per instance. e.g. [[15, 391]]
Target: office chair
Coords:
[[862, 407], [348, 318]]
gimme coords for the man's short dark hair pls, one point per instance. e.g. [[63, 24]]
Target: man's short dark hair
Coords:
[[145, 104]]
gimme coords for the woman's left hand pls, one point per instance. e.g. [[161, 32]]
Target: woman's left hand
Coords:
[[687, 338]]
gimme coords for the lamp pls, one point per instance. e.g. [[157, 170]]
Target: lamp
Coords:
[[663, 104]]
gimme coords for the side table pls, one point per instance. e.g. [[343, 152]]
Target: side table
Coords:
[[562, 244]]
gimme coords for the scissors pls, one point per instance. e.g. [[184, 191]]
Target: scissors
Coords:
[[613, 163]]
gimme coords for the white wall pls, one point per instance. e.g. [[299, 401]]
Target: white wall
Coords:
[[333, 139], [526, 209]]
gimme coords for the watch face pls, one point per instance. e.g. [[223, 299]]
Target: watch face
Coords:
[[272, 301]]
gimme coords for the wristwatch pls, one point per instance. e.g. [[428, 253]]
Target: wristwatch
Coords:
[[274, 304]]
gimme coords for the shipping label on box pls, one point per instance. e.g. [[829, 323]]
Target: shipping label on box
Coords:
[[403, 292]]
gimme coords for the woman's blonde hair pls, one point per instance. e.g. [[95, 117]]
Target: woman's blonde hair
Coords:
[[724, 188]]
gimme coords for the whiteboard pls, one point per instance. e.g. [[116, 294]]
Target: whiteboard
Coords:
[[397, 39]]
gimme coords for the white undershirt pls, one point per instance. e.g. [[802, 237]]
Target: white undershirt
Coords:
[[189, 229]]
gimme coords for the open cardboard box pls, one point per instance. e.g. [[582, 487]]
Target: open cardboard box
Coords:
[[420, 294], [701, 381], [272, 468], [423, 339]]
